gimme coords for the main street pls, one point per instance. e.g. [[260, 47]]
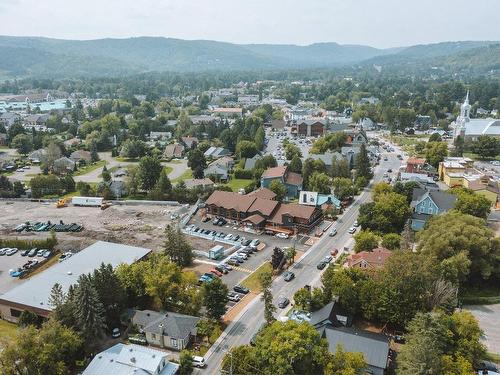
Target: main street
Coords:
[[247, 323]]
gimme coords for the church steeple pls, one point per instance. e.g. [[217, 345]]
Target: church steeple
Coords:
[[465, 109]]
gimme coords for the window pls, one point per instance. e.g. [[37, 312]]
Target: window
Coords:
[[430, 210], [173, 343], [421, 210], [15, 313], [153, 336]]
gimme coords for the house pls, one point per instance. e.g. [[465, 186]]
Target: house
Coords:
[[415, 165], [81, 155], [173, 150], [330, 314], [120, 172], [8, 119], [350, 153], [37, 155], [3, 139], [196, 182], [217, 172], [327, 158], [422, 122], [226, 162], [167, 329], [250, 162], [72, 142], [427, 203], [369, 260], [313, 198], [228, 112], [117, 188], [309, 128], [373, 346], [122, 359], [36, 121], [278, 124], [367, 124], [483, 185], [160, 136], [356, 137], [203, 119], [452, 170], [368, 100], [216, 152], [291, 180], [63, 165], [190, 142]]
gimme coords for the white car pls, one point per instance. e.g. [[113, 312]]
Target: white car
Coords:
[[20, 170], [199, 362], [282, 235], [352, 230]]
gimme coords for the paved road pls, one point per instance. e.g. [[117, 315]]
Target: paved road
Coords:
[[488, 317], [241, 330]]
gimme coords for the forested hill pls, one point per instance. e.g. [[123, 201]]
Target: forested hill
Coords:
[[44, 57]]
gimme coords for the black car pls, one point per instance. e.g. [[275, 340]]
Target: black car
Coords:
[[246, 242], [283, 302], [321, 265], [241, 289]]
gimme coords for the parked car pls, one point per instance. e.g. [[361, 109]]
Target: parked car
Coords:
[[243, 255], [352, 230], [238, 258], [199, 362], [233, 262], [235, 297], [11, 252], [215, 221], [255, 243], [32, 252], [24, 253], [288, 276], [115, 333], [356, 224], [205, 219], [40, 252], [246, 242], [321, 265], [210, 275], [283, 302], [241, 289], [327, 259], [221, 269], [334, 252], [226, 266], [282, 235], [65, 256], [4, 250], [216, 273], [333, 232], [47, 254]]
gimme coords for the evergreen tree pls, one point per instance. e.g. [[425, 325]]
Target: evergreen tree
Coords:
[[267, 296], [93, 152], [177, 248], [111, 293], [164, 185], [296, 164], [362, 165], [106, 176], [215, 298]]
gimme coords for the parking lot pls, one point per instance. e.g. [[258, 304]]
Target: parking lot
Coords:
[[8, 263], [275, 144]]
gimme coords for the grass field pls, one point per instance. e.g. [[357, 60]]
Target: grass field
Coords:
[[89, 168], [9, 330], [237, 183], [252, 282], [185, 176]]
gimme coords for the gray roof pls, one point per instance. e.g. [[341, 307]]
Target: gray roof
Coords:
[[375, 347], [476, 127], [35, 292], [250, 162], [327, 157], [444, 201], [167, 323], [123, 359], [322, 314], [311, 122]]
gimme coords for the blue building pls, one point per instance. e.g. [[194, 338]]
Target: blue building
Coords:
[[427, 203], [291, 180]]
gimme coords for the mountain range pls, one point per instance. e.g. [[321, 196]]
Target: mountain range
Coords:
[[45, 57]]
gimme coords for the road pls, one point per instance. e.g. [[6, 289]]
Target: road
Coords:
[[241, 330]]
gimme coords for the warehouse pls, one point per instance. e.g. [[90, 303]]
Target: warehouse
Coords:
[[34, 294]]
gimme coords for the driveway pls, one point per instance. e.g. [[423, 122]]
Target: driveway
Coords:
[[488, 317]]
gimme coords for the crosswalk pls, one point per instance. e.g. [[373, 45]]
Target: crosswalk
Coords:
[[238, 268]]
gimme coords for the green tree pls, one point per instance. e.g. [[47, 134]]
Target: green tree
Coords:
[[486, 147], [215, 298], [197, 162], [246, 149], [473, 204], [340, 168], [345, 363], [379, 189], [320, 183], [387, 215], [362, 164], [279, 189], [260, 136], [343, 188], [436, 152], [111, 293], [94, 156], [28, 318], [148, 172], [185, 363], [342, 283], [365, 241], [22, 143], [391, 241], [176, 247], [266, 280], [106, 176], [292, 150], [164, 185], [296, 165], [309, 167]]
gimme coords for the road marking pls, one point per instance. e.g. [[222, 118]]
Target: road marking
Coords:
[[242, 269]]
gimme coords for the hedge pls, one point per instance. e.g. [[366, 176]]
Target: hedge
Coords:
[[245, 174], [48, 243]]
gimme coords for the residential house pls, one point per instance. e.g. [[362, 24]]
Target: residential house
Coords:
[[8, 119], [63, 165], [120, 172], [173, 150], [203, 119], [216, 152], [226, 162], [367, 124], [368, 100], [356, 137], [196, 182], [160, 136], [81, 155], [37, 155], [415, 165], [422, 122], [291, 180], [369, 260], [485, 186], [217, 172], [313, 198], [117, 188], [330, 314], [122, 359], [427, 203], [167, 329], [72, 142], [190, 142], [250, 162], [37, 121]]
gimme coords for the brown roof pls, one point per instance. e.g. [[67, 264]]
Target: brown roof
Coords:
[[265, 206], [293, 178], [255, 219], [413, 160], [476, 185], [375, 258], [230, 200], [263, 193], [274, 172], [294, 210]]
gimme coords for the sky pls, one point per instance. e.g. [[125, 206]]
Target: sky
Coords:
[[378, 23]]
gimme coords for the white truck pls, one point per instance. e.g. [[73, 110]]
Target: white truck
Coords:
[[87, 201]]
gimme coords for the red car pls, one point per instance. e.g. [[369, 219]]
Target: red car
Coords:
[[216, 273], [334, 252]]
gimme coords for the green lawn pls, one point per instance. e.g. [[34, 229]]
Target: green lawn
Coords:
[[237, 183], [476, 157], [252, 282], [494, 357], [89, 168], [9, 330], [129, 160], [185, 176]]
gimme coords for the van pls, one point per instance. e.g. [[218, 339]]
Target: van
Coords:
[[199, 362]]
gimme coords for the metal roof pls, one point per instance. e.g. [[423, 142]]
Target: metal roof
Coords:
[[35, 292]]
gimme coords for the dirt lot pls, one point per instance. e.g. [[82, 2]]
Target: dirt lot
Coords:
[[140, 225]]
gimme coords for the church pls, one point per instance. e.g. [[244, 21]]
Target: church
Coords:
[[471, 129]]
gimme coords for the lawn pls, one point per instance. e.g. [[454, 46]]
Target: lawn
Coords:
[[185, 176], [476, 157], [89, 168], [484, 295], [252, 282], [237, 183], [9, 330], [128, 160]]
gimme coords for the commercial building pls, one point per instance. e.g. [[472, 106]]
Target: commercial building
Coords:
[[33, 295]]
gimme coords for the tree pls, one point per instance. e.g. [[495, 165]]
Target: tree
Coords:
[[215, 298], [260, 136], [296, 165], [52, 153], [435, 137], [164, 185], [379, 189], [111, 293], [309, 167], [94, 156], [345, 363], [320, 183], [149, 170], [292, 150], [486, 147], [436, 152], [343, 283], [28, 318], [279, 189], [185, 363], [106, 176], [265, 280], [22, 143], [50, 350], [362, 165], [133, 148], [366, 241], [387, 215], [177, 248], [18, 188], [302, 299], [246, 149], [343, 188], [473, 204], [197, 162], [391, 241], [89, 311], [277, 258], [340, 168], [462, 245]]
